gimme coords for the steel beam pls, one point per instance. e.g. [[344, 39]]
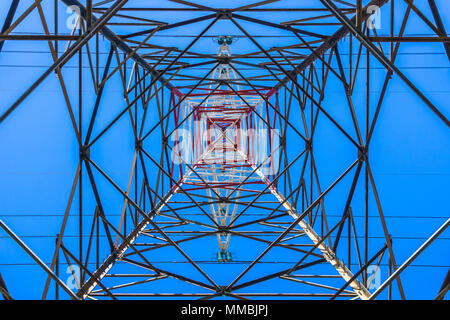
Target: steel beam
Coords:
[[8, 20], [118, 253], [328, 253], [440, 25]]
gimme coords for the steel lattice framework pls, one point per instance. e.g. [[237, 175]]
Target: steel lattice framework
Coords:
[[222, 154]]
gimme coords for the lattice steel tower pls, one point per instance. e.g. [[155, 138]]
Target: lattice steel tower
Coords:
[[199, 134]]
